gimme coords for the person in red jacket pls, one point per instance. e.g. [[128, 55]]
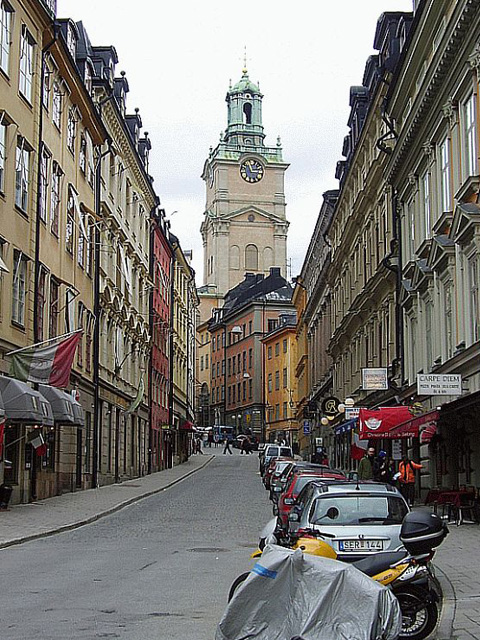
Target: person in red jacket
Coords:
[[406, 479]]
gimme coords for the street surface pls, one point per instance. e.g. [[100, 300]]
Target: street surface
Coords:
[[158, 569]]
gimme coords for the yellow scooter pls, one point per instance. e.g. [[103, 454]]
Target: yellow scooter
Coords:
[[411, 577]]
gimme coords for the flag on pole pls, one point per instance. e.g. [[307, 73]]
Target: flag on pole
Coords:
[[50, 364], [358, 447], [138, 398]]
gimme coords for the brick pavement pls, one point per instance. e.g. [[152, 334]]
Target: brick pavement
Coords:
[[457, 560]]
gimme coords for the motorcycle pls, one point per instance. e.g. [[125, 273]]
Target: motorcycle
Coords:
[[408, 573]]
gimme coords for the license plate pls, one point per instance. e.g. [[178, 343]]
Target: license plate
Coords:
[[360, 545]]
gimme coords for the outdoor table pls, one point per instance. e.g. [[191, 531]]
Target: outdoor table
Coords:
[[454, 497]]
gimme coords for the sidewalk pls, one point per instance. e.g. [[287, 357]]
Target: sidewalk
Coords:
[[457, 560], [43, 518]]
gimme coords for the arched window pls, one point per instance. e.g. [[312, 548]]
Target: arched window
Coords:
[[267, 258], [234, 257], [251, 257], [247, 112]]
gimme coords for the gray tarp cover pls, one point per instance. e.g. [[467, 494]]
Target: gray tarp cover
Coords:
[[290, 594]]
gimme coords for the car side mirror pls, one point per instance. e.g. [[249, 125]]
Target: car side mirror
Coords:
[[293, 517]]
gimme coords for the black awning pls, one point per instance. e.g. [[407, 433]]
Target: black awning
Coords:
[[61, 403], [23, 404]]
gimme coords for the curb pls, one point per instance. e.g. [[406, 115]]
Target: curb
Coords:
[[80, 523], [449, 606]]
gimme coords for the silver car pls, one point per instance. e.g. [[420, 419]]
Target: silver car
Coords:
[[359, 519]]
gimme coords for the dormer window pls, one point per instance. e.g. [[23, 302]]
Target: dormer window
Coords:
[[88, 78], [71, 41]]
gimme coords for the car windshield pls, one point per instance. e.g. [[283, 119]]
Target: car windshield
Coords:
[[350, 509]]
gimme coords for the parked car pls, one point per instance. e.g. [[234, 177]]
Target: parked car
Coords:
[[279, 482], [363, 518], [276, 465], [273, 451], [296, 483]]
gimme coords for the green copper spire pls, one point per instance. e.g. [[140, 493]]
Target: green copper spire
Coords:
[[244, 113]]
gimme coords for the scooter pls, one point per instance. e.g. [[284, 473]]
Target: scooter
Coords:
[[409, 573]]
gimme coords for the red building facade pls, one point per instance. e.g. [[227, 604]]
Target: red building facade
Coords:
[[160, 320]]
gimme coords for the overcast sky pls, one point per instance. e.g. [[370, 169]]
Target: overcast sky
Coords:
[[179, 57]]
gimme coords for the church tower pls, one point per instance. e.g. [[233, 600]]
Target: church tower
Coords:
[[245, 226]]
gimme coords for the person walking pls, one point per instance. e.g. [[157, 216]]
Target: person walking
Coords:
[[210, 439], [365, 468], [226, 443], [406, 478], [198, 445], [379, 466]]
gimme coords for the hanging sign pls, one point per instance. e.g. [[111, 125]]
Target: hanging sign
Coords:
[[443, 384]]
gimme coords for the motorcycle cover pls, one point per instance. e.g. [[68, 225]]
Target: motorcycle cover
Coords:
[[289, 593]]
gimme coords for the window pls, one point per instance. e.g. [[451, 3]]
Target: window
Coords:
[[82, 235], [47, 74], [201, 363], [270, 388], [26, 64], [475, 298], [44, 179], [40, 303], [285, 346], [69, 310], [250, 327], [250, 388], [269, 351], [3, 137], [285, 410], [251, 257], [71, 129], [88, 78], [5, 35], [470, 136], [277, 380], [82, 158], [272, 325], [427, 210], [285, 378], [19, 290], [445, 174], [69, 229], [250, 358], [55, 198], [90, 243], [277, 412], [277, 348], [57, 106], [22, 175], [54, 293]]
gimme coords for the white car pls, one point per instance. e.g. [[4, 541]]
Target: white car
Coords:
[[359, 519]]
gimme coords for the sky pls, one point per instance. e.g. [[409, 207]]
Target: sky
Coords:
[[179, 58]]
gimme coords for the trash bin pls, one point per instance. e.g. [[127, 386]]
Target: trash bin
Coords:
[[5, 495]]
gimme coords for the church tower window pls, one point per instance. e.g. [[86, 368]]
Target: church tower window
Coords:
[[251, 257], [247, 112]]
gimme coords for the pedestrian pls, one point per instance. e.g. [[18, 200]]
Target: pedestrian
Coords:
[[243, 444], [248, 445], [365, 467], [406, 478], [216, 439], [226, 443], [198, 445], [210, 439], [378, 466]]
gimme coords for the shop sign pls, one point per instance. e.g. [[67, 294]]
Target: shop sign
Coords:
[[352, 413], [375, 379], [306, 427], [443, 384], [330, 406], [396, 449]]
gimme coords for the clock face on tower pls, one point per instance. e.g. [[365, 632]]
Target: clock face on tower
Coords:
[[251, 171]]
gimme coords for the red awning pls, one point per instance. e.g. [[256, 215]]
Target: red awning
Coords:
[[187, 426], [378, 423], [410, 428]]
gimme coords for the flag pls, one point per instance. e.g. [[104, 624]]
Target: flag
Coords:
[[358, 447], [50, 364], [138, 398]]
